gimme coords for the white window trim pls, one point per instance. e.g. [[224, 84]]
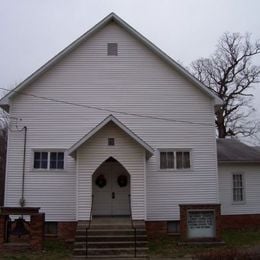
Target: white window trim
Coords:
[[242, 202], [48, 162], [159, 150]]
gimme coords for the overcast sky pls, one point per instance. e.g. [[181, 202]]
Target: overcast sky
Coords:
[[33, 31]]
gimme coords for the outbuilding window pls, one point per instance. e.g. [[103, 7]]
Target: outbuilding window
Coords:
[[175, 160], [48, 160], [238, 188]]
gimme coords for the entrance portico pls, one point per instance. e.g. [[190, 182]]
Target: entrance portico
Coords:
[[93, 155]]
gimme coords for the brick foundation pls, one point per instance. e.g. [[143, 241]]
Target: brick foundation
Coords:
[[67, 230], [245, 221], [37, 231], [184, 220], [2, 230], [156, 228]]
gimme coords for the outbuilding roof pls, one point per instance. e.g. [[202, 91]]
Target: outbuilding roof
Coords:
[[232, 150]]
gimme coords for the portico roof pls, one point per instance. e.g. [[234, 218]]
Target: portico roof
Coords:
[[111, 118]]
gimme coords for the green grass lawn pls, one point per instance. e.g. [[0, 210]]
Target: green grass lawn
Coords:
[[53, 250], [167, 246]]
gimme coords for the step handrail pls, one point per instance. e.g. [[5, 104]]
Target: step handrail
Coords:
[[88, 227], [132, 222]]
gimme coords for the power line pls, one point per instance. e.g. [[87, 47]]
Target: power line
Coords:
[[105, 109]]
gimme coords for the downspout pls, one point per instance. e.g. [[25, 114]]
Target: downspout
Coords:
[[22, 199]]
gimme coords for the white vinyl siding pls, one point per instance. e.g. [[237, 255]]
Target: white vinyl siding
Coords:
[[137, 82], [251, 191]]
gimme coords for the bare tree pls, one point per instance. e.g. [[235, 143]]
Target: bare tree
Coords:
[[230, 73]]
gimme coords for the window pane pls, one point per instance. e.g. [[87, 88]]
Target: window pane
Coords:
[[60, 160], [170, 160], [44, 160], [44, 156], [179, 160], [53, 156], [60, 165], [44, 164], [60, 156], [53, 164], [37, 156], [53, 160], [36, 164], [186, 162], [163, 162]]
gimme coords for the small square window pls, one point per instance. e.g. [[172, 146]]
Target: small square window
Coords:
[[173, 227], [40, 160], [57, 160], [50, 228], [112, 49], [111, 141]]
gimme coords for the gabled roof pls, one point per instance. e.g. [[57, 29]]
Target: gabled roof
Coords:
[[111, 17], [233, 151], [107, 120]]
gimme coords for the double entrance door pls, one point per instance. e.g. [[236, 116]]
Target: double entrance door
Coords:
[[111, 189]]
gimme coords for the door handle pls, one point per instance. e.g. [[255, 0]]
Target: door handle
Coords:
[[113, 195]]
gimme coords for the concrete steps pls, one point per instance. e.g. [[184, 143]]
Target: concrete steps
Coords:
[[110, 238]]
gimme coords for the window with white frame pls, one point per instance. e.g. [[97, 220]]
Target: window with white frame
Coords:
[[175, 160], [238, 187], [48, 160]]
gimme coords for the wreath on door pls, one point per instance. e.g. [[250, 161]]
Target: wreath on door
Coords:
[[101, 181], [122, 180]]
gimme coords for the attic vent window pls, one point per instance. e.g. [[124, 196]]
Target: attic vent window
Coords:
[[112, 49], [111, 141]]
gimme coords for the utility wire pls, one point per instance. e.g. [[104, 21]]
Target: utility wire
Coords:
[[104, 109]]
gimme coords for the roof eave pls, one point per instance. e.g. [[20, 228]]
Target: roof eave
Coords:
[[238, 162]]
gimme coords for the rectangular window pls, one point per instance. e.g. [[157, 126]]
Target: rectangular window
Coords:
[[167, 160], [40, 160], [175, 160], [238, 188], [48, 160], [56, 160], [183, 160], [50, 228], [173, 227]]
